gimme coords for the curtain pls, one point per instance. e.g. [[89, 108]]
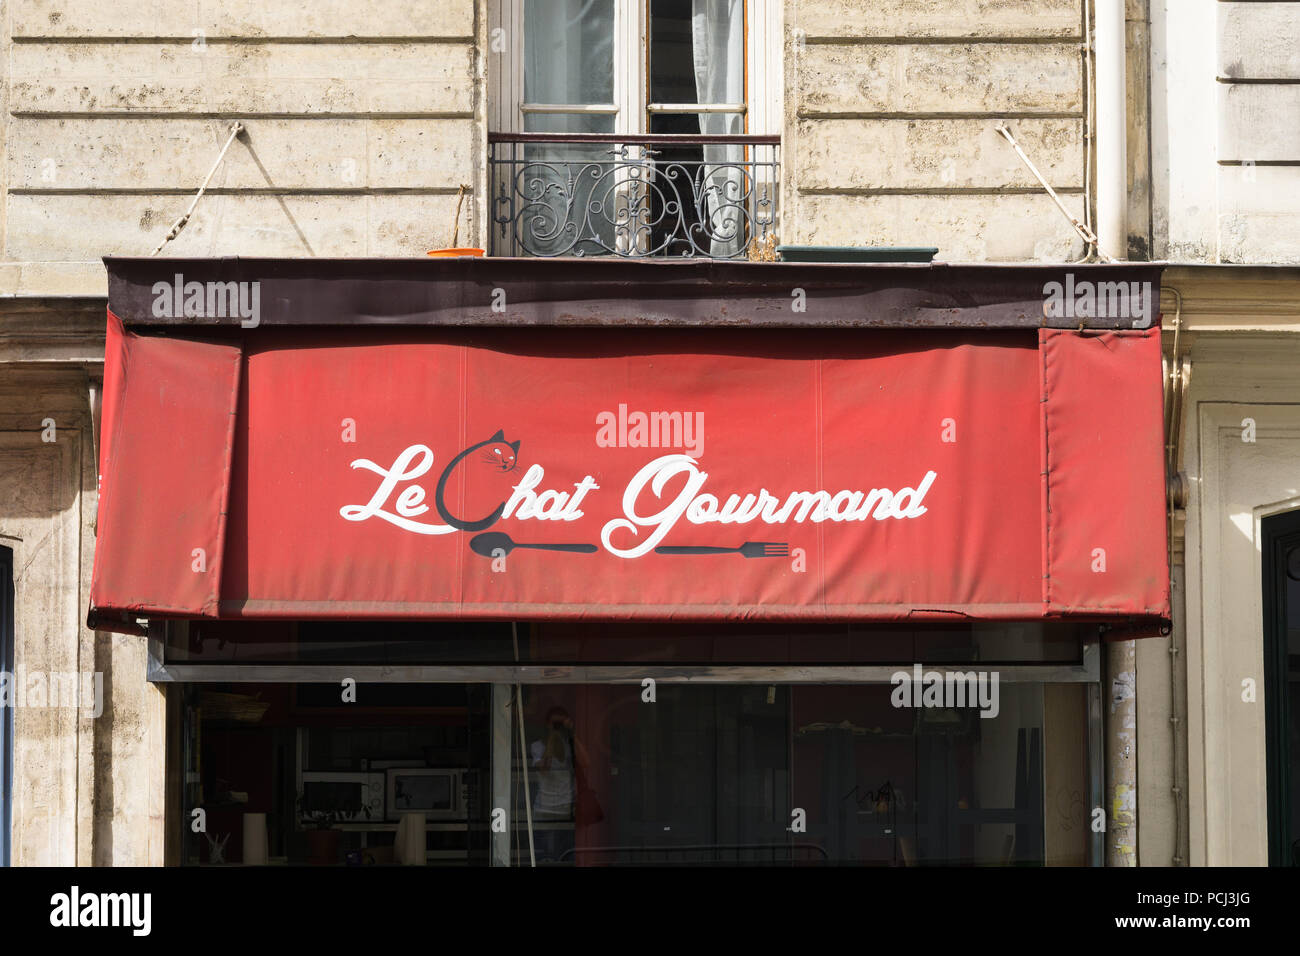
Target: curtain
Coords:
[[718, 41]]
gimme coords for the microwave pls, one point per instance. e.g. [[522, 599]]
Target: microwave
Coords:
[[349, 794], [437, 792]]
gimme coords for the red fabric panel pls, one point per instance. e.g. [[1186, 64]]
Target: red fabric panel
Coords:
[[1103, 426], [784, 412], [166, 425], [114, 354]]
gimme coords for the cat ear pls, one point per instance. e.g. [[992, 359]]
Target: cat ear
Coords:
[[515, 445], [499, 436]]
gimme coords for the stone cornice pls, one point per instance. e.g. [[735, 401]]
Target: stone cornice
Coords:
[[1223, 298], [52, 329]]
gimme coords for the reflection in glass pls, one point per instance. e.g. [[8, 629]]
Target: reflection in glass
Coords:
[[796, 775], [569, 51]]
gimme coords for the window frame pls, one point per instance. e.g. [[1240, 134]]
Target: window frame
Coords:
[[631, 108]]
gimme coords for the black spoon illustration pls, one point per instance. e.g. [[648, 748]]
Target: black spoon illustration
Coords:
[[490, 542]]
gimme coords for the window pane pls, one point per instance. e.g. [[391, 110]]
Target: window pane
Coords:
[[697, 51], [712, 775], [569, 51], [568, 123]]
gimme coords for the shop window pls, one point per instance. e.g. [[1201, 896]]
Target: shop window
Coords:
[[797, 775], [320, 774], [1281, 577], [544, 743], [6, 712], [713, 774]]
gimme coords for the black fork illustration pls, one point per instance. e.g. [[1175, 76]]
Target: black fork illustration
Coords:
[[750, 549]]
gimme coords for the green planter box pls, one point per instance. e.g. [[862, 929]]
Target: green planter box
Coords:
[[857, 253]]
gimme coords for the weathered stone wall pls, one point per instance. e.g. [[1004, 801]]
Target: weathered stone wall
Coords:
[[363, 118], [890, 115], [1225, 131], [1259, 132], [72, 769], [42, 523]]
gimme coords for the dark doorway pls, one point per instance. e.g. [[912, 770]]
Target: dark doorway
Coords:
[[1282, 684], [6, 713]]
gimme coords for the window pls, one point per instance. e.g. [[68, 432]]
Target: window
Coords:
[[767, 743], [795, 775], [634, 127]]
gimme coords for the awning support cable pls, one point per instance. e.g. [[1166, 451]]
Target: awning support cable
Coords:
[[1086, 234], [180, 223]]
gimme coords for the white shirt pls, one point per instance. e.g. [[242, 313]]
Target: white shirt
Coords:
[[554, 795]]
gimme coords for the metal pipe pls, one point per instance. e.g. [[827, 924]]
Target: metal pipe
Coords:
[[1176, 383], [1121, 755], [1112, 122], [1085, 670], [1089, 127], [1110, 39]]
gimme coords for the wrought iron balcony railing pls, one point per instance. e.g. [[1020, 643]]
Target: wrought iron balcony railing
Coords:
[[606, 194]]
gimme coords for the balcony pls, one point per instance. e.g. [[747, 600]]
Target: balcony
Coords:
[[609, 194]]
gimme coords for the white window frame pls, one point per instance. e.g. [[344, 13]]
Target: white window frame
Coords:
[[506, 41]]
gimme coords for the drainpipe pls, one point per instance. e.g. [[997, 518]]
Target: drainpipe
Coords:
[[1121, 754], [1110, 38]]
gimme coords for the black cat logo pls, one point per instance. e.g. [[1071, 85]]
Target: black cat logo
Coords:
[[501, 455]]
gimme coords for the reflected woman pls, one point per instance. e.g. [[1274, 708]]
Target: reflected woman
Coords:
[[553, 802]]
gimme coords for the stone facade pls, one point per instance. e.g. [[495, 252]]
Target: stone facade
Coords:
[[890, 116], [363, 120], [1225, 143]]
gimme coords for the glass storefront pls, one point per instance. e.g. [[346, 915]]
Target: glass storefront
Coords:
[[740, 745], [803, 774]]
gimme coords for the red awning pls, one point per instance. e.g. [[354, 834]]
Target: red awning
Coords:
[[882, 475]]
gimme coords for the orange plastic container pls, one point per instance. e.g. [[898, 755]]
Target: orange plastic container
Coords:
[[457, 252]]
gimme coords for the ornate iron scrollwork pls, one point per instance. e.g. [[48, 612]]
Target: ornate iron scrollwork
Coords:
[[634, 204]]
